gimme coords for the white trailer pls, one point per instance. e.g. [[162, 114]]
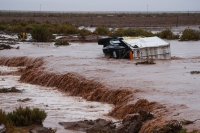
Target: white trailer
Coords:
[[136, 47], [148, 47]]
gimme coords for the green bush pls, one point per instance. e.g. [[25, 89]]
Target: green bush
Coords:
[[25, 116], [28, 28], [3, 27], [175, 36], [2, 116], [16, 28], [129, 32], [84, 32], [50, 27], [62, 42], [189, 34], [23, 23], [2, 22], [132, 32], [31, 21], [142, 32], [102, 30], [41, 34], [119, 32], [17, 25], [38, 115], [167, 34], [14, 22], [67, 29]]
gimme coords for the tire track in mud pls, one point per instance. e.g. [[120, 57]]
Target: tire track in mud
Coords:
[[77, 85]]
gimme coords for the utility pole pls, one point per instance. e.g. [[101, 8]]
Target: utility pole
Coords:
[[40, 7], [147, 8], [177, 21]]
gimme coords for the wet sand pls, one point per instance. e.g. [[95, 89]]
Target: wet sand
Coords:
[[168, 82]]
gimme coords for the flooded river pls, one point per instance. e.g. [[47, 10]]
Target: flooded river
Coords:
[[168, 82], [59, 107]]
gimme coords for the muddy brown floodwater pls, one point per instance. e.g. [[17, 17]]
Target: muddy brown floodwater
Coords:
[[168, 82], [60, 107]]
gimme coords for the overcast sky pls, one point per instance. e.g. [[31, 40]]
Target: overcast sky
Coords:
[[101, 5]]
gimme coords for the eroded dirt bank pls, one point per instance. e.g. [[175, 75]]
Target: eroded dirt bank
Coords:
[[73, 83], [60, 107], [77, 85]]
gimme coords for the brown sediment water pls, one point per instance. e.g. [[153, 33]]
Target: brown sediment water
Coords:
[[74, 84], [77, 85], [122, 110], [60, 107], [171, 91]]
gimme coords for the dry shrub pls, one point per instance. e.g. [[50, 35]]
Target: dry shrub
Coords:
[[10, 128]]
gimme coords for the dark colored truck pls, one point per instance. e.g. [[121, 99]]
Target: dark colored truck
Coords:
[[114, 47]]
